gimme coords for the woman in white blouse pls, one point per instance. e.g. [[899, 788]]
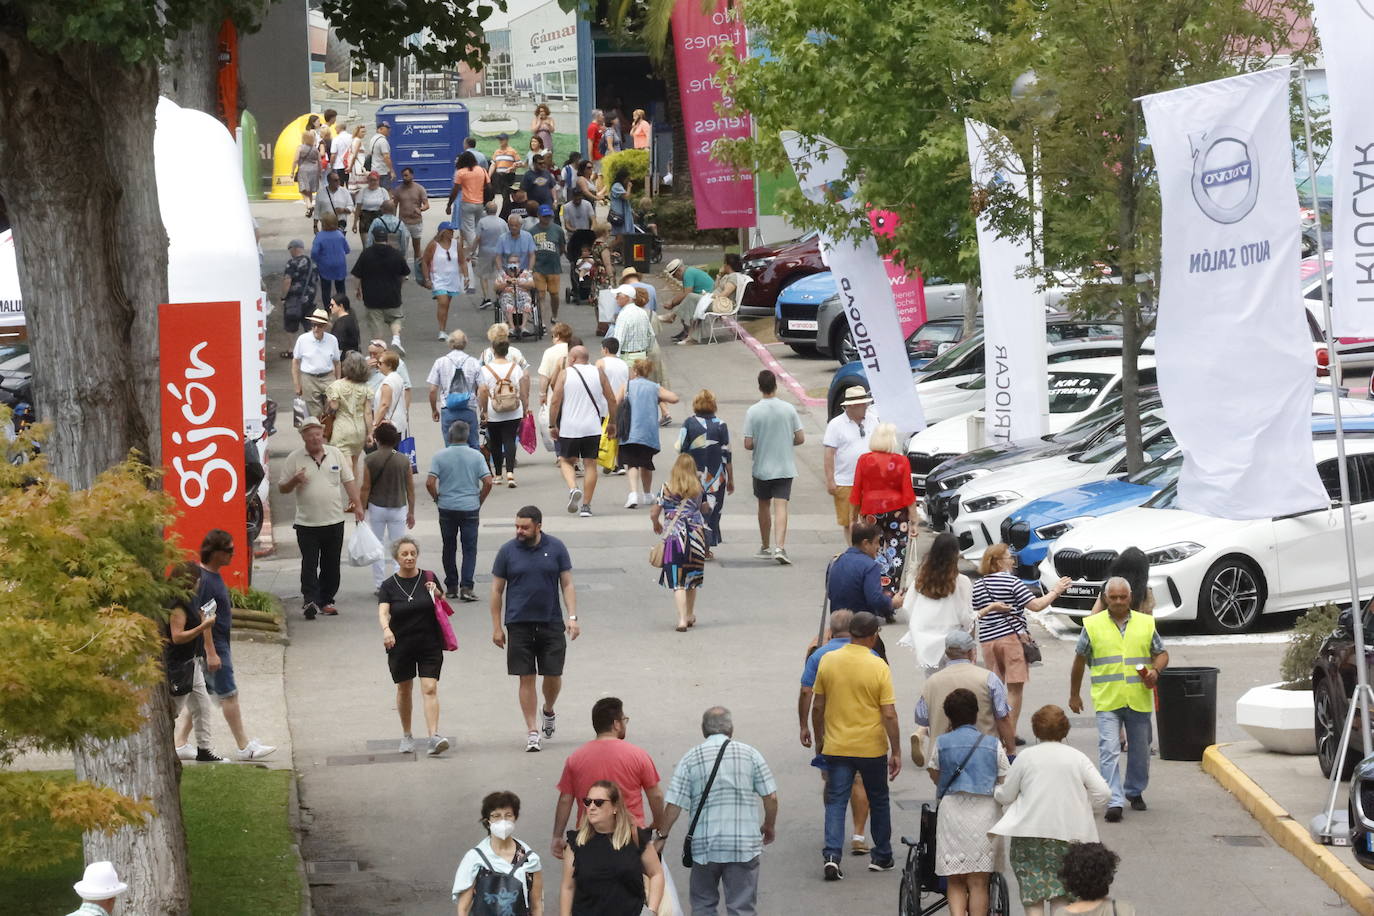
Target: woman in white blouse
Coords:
[[1049, 796]]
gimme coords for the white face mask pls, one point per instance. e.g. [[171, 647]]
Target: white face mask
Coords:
[[502, 829]]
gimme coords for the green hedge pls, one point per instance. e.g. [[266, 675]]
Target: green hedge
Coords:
[[636, 160], [676, 217]]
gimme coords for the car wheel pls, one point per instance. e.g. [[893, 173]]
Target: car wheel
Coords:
[[1327, 722], [842, 344], [1231, 596]]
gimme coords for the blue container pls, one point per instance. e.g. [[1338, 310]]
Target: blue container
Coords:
[[426, 137]]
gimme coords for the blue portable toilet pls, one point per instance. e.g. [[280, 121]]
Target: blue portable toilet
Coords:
[[426, 137]]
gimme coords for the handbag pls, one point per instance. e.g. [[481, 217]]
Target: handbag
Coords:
[[608, 452], [1031, 650], [181, 677], [701, 805], [442, 612], [656, 552], [526, 434], [944, 785], [407, 448]]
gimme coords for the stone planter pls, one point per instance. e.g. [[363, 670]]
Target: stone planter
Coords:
[[1279, 719]]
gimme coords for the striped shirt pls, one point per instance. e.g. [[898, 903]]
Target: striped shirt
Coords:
[[729, 827], [1006, 588]]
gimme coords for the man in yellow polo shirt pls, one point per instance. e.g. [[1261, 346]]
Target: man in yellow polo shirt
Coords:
[[1125, 655], [854, 719]]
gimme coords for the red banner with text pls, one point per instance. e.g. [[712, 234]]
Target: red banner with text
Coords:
[[202, 425], [724, 198]]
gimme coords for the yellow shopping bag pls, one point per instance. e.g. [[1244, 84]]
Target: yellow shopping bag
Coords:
[[610, 449]]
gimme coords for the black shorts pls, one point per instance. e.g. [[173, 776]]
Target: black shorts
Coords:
[[410, 659], [584, 447], [535, 648], [777, 488], [637, 456]]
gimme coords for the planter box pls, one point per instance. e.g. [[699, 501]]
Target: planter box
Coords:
[[1281, 720]]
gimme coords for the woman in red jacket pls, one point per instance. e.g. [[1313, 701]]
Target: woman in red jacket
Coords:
[[882, 491]]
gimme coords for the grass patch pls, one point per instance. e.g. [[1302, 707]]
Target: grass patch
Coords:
[[239, 832]]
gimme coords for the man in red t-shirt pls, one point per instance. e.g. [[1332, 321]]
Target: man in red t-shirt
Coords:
[[608, 756], [595, 128]]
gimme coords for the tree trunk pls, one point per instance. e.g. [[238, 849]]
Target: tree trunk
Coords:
[[682, 172], [190, 77], [151, 859], [971, 289], [93, 267]]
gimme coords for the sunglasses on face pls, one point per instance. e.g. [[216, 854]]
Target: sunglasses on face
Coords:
[[595, 802]]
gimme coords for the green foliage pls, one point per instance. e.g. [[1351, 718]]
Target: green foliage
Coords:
[[79, 632], [439, 33], [1309, 631], [635, 160], [676, 218], [255, 599], [238, 834], [140, 31]]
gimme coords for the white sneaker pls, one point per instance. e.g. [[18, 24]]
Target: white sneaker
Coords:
[[646, 499], [254, 751], [396, 345], [407, 745], [443, 336], [550, 723], [632, 501], [437, 745], [186, 752], [764, 553], [532, 743], [780, 554], [574, 500]]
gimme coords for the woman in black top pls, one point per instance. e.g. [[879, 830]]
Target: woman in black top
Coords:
[[414, 644], [607, 860], [184, 657]]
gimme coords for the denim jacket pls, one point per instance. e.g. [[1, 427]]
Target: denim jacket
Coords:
[[979, 776]]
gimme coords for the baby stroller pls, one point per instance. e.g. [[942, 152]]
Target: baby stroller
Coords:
[[580, 291], [919, 878]]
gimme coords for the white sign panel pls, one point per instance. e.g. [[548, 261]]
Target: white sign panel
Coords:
[[1233, 351], [11, 301], [1017, 403], [861, 278], [543, 46]]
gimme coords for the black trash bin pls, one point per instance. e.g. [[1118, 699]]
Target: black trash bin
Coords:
[[1187, 713], [637, 251]]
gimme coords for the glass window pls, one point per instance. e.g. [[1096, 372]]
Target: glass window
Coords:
[[955, 357], [1158, 473], [1330, 474], [1074, 392]]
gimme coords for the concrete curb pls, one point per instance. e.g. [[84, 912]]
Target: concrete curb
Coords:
[[1288, 833], [293, 804]]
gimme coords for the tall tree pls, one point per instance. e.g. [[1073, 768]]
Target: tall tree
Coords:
[[79, 83]]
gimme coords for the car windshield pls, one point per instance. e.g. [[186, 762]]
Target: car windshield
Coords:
[[1158, 473], [925, 341], [13, 356], [1073, 392], [955, 355], [1108, 445], [1166, 498]]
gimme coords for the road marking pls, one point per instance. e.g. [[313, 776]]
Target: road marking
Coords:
[[761, 351]]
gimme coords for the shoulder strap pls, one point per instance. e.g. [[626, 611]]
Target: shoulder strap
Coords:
[[944, 785], [485, 860], [710, 780], [583, 379]]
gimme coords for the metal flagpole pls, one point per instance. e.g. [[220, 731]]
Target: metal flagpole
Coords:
[[1324, 827]]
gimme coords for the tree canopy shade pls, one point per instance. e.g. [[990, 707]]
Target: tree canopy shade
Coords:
[[439, 33], [79, 640]]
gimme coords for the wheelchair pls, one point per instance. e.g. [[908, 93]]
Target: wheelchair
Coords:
[[919, 879]]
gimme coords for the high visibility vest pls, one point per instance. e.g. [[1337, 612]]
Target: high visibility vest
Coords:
[[1115, 682]]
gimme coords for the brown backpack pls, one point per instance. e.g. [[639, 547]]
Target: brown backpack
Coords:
[[505, 397]]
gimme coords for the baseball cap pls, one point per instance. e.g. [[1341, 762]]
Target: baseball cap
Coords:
[[374, 175], [309, 422], [625, 289], [545, 210], [958, 640], [503, 136], [445, 225], [294, 243]]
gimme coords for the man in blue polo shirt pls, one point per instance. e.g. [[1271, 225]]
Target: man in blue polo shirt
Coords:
[[459, 482], [526, 619], [855, 579]]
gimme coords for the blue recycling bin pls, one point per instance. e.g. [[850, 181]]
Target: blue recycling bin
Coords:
[[426, 137]]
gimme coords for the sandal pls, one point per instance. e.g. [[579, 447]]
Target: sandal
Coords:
[[681, 629], [691, 622]]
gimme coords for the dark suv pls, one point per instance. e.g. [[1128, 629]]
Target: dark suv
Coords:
[[1333, 684]]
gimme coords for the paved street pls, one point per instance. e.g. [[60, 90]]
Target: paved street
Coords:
[[384, 832]]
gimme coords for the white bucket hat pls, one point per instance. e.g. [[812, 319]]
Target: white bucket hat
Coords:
[[99, 882]]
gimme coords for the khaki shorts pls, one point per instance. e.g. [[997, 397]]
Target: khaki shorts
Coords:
[[1005, 657], [547, 283], [844, 509]]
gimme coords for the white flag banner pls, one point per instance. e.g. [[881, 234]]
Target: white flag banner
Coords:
[[1347, 33], [1017, 398], [1232, 349], [865, 291]]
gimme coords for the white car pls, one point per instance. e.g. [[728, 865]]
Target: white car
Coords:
[[985, 502], [1076, 388], [1223, 572]]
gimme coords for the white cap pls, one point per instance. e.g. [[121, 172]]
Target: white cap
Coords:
[[99, 882], [625, 289]]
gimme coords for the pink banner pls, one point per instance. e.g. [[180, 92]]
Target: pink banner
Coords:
[[724, 199], [908, 290]]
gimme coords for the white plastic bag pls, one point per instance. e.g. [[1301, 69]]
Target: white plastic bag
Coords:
[[363, 547], [542, 421], [299, 411]]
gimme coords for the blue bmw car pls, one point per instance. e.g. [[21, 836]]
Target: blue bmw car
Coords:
[[1032, 529]]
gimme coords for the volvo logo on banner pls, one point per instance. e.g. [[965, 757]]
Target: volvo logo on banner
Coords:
[[1225, 176]]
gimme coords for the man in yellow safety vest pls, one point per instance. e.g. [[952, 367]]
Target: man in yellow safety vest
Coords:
[[1125, 654]]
